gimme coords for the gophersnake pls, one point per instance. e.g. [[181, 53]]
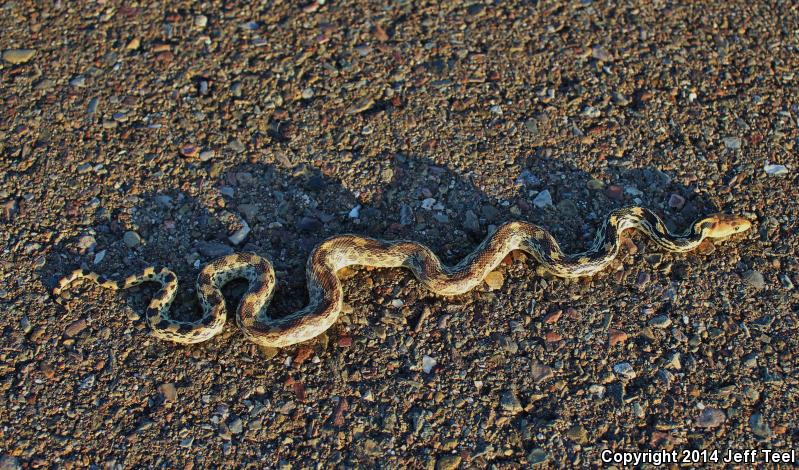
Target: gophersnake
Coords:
[[333, 254]]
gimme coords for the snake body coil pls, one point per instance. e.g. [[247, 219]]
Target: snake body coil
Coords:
[[333, 254]]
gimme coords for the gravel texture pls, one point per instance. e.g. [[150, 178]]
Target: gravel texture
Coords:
[[134, 135]]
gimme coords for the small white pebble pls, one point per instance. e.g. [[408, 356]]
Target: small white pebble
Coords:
[[427, 204], [625, 370], [428, 363], [775, 170]]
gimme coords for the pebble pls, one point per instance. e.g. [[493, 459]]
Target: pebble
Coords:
[[448, 462], [676, 201], [642, 280], [361, 106], [169, 391], [25, 324], [532, 126], [250, 212], [591, 112], [428, 363], [754, 279], [8, 462], [86, 243], [213, 249], [732, 143], [751, 393], [78, 82], [236, 146], [241, 234], [200, 21], [772, 169], [18, 56], [510, 403], [602, 54], [507, 344], [470, 222], [543, 199], [207, 155], [665, 376], [406, 215], [528, 178], [45, 84], [495, 280], [131, 239], [759, 426], [235, 425], [619, 99], [74, 328], [625, 370], [553, 317], [309, 225], [616, 336], [673, 361], [540, 372], [711, 418], [189, 150], [595, 184], [615, 192], [578, 434], [632, 191], [786, 281], [10, 209], [537, 456], [749, 361], [660, 321], [92, 107], [316, 183]]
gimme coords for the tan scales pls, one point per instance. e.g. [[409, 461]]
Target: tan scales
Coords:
[[339, 252]]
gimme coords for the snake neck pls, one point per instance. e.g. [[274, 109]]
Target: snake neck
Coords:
[[653, 227]]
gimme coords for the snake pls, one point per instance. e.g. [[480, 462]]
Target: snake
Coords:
[[325, 291]]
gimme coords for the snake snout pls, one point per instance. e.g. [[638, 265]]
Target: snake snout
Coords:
[[725, 225]]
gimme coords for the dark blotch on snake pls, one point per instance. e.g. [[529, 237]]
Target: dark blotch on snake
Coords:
[[184, 329]]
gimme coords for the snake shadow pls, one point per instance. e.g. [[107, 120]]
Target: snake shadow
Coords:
[[290, 208], [282, 211]]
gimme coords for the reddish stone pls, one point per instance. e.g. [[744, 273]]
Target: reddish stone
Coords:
[[553, 317], [338, 413], [380, 33], [299, 390], [616, 336], [615, 192], [573, 314], [303, 354], [552, 337]]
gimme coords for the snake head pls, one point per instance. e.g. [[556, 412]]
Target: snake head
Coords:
[[724, 225]]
